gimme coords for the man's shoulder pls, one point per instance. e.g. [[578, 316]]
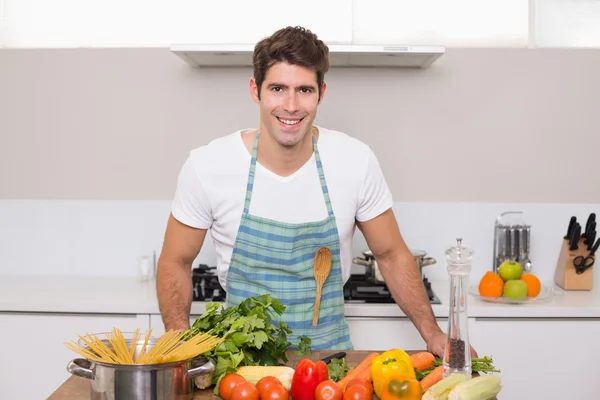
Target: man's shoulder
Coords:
[[217, 147], [221, 155], [342, 144]]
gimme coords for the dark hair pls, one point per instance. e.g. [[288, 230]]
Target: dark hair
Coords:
[[294, 45]]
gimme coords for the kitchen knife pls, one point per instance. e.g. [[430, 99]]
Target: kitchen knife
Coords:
[[591, 218], [590, 240], [570, 228], [328, 359], [574, 241], [591, 229]]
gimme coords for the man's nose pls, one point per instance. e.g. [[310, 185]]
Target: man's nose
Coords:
[[291, 103]]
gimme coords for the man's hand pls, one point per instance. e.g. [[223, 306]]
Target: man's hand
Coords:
[[437, 344], [173, 277], [399, 270]]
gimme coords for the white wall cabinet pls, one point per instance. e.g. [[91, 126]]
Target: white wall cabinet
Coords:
[[160, 23], [567, 23], [34, 357], [462, 23], [542, 358]]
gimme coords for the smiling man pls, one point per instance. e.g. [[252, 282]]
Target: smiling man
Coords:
[[272, 196]]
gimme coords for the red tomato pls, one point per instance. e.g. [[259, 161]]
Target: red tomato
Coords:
[[328, 390], [360, 381], [358, 392], [275, 392], [227, 384], [265, 382], [245, 391]]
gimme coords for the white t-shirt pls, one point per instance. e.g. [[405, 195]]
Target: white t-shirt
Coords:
[[211, 190]]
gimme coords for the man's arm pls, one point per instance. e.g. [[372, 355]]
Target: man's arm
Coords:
[[173, 277], [399, 270]]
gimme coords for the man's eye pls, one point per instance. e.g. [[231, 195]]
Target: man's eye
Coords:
[[306, 90], [276, 89]]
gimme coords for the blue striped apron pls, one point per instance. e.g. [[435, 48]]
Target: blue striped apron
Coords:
[[277, 258]]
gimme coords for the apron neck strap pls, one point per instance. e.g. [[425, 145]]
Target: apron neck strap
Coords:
[[252, 173]]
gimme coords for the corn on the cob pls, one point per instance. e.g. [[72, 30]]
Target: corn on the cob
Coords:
[[254, 373], [484, 387], [440, 390]]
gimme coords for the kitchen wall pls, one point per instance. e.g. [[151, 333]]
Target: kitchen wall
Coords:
[[91, 142]]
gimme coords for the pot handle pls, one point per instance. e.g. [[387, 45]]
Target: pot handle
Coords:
[[427, 261], [80, 367], [201, 366]]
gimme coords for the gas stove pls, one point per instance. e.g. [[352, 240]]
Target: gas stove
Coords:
[[205, 284], [359, 289]]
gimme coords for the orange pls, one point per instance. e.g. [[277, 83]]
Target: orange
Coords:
[[491, 285], [533, 284]]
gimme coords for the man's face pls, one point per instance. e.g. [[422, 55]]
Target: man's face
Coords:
[[288, 102]]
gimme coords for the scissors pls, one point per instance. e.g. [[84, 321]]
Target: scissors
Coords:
[[583, 263]]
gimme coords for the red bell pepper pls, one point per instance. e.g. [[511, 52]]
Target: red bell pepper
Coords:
[[307, 376]]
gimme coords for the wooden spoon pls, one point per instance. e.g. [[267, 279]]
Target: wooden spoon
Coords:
[[322, 268]]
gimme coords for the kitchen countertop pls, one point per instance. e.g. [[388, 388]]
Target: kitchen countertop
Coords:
[[76, 388], [118, 295]]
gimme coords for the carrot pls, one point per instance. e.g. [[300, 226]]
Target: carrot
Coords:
[[432, 378], [422, 361], [362, 370]]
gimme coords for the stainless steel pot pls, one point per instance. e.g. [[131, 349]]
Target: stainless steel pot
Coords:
[[169, 381], [373, 272]]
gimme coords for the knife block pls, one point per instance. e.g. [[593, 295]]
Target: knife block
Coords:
[[565, 275]]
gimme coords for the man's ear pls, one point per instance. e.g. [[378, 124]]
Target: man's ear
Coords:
[[254, 91], [323, 89]]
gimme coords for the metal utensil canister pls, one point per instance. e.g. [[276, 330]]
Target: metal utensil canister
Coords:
[[511, 240]]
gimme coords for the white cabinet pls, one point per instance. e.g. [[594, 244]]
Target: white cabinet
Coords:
[[461, 23], [567, 23], [542, 358], [160, 23], [34, 357], [331, 20], [367, 333]]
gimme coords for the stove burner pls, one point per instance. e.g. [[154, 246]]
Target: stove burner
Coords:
[[205, 284], [359, 289]]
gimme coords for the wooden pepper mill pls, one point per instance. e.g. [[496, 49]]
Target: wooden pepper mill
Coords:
[[574, 268]]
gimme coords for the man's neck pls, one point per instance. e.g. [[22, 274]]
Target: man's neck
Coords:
[[281, 160]]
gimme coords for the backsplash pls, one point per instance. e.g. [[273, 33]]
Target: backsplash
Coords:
[[105, 238]]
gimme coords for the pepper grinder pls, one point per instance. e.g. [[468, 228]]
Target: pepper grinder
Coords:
[[457, 354]]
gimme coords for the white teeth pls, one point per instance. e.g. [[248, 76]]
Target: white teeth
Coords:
[[289, 122]]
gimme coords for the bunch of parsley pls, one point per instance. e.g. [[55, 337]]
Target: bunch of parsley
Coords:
[[252, 332]]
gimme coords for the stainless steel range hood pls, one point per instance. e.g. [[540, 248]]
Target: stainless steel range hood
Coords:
[[232, 55]]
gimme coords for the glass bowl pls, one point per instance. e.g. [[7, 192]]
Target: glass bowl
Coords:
[[549, 290]]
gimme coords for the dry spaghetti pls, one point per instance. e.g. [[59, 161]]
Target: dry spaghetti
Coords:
[[170, 347]]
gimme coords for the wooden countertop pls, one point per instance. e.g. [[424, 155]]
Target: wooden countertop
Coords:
[[76, 388]]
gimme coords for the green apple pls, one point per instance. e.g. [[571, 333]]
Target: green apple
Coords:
[[510, 270], [515, 288]]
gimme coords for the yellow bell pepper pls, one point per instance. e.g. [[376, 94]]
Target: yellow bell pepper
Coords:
[[391, 363]]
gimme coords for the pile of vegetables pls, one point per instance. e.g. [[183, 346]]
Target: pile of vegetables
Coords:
[[253, 335], [391, 375], [250, 364]]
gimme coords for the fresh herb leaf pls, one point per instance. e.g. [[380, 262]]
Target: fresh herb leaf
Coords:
[[304, 348], [252, 333], [338, 368]]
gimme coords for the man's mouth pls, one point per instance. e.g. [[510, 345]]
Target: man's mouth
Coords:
[[289, 121]]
